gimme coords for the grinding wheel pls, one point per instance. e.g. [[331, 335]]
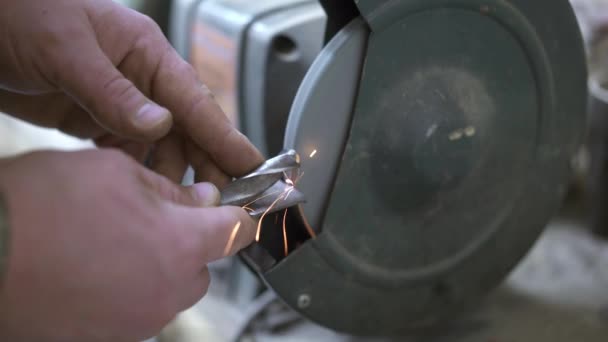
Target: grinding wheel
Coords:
[[436, 138]]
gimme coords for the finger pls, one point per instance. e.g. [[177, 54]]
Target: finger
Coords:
[[80, 124], [193, 291], [139, 151], [215, 232], [205, 169], [54, 110], [169, 158], [198, 195], [177, 87], [87, 74], [158, 70]]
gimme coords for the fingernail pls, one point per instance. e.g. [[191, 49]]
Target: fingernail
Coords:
[[206, 194], [150, 115]]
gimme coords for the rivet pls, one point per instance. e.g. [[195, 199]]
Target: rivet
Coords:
[[304, 301]]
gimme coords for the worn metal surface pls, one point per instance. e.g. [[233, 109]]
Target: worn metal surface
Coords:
[[458, 155], [319, 123], [279, 48], [266, 187], [181, 25]]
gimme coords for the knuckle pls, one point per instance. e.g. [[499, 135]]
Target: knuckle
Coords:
[[52, 55], [195, 105], [179, 68], [147, 25], [207, 92], [55, 48], [186, 68], [117, 86]]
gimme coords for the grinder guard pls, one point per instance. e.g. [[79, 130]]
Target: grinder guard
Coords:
[[444, 132]]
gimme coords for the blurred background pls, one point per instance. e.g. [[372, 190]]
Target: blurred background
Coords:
[[558, 293]]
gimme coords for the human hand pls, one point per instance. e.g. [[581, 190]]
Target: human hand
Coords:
[[98, 70], [103, 249]]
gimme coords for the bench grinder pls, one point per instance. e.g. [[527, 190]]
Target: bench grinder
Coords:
[[435, 139]]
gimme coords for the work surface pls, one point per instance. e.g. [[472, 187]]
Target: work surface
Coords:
[[558, 294]]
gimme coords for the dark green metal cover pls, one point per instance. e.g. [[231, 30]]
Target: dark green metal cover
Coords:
[[458, 155]]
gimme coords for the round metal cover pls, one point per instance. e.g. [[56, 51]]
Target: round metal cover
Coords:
[[436, 138]]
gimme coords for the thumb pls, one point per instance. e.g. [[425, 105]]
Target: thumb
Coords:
[[216, 233], [197, 196], [95, 83]]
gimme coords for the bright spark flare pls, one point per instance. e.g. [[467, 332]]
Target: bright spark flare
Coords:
[[260, 198], [288, 192], [313, 153], [259, 230], [235, 230], [283, 196], [285, 233], [299, 177]]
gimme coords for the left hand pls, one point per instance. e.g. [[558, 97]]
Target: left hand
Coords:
[[98, 70]]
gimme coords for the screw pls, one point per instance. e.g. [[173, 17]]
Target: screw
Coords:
[[304, 301]]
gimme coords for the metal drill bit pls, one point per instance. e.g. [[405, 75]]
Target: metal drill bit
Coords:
[[261, 189]]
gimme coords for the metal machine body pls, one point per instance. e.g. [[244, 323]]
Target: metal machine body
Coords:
[[435, 138], [253, 55]]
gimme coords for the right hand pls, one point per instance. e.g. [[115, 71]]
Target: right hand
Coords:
[[98, 70], [103, 249]]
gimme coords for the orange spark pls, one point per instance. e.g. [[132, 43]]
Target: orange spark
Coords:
[[299, 177], [261, 197], [313, 153], [288, 192], [283, 196], [235, 230], [309, 229], [257, 234], [285, 233]]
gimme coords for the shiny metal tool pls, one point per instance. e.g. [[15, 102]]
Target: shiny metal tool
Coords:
[[267, 189]]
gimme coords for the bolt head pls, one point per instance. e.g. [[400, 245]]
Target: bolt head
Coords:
[[304, 301]]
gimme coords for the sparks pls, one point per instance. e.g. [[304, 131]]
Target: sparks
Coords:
[[257, 234], [313, 153], [285, 233], [235, 230], [288, 192], [283, 196], [246, 206], [309, 229]]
